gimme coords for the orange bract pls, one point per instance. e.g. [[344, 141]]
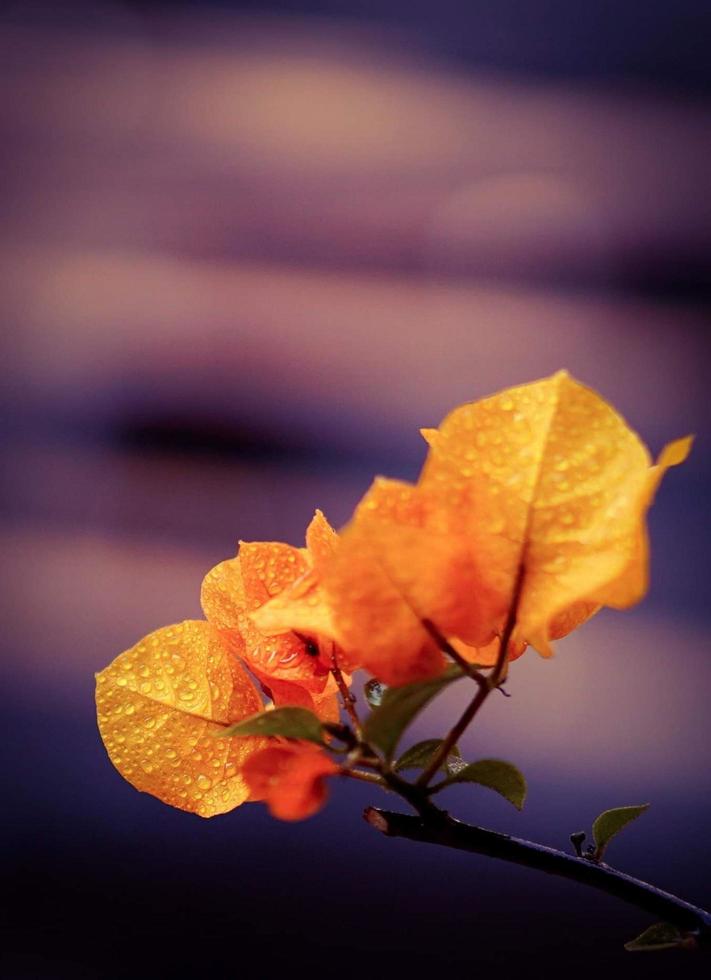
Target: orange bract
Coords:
[[549, 477], [290, 778], [294, 670], [159, 706], [545, 479], [161, 703]]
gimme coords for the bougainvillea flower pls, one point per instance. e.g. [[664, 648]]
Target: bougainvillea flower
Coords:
[[400, 561], [552, 488], [160, 705], [544, 483], [290, 778], [293, 667], [303, 606]]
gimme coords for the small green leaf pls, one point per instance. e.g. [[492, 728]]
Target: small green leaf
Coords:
[[663, 935], [611, 822], [374, 691], [400, 705], [420, 755], [503, 777], [287, 722]]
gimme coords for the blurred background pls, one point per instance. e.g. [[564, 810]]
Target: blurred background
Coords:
[[248, 249]]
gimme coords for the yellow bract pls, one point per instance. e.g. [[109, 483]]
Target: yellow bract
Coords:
[[160, 705], [548, 477]]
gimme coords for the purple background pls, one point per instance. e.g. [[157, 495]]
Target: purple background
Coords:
[[247, 251]]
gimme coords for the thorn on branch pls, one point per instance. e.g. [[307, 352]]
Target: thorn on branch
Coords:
[[577, 841]]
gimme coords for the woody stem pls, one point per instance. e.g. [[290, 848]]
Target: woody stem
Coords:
[[446, 647], [444, 830], [366, 777]]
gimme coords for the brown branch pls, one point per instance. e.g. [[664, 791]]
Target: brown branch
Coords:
[[447, 832], [347, 698], [453, 737], [447, 648], [489, 684], [365, 777]]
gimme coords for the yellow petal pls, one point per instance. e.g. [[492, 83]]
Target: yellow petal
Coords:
[[631, 585], [159, 706], [550, 477]]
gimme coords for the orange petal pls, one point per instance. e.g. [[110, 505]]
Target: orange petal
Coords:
[[269, 567], [327, 705], [376, 627], [420, 546], [402, 561], [486, 656], [569, 619], [548, 475], [321, 542], [284, 658], [160, 705], [285, 694], [224, 602], [290, 778], [306, 611], [632, 584], [303, 606]]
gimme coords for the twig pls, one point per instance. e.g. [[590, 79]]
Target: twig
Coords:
[[490, 684], [447, 648], [446, 831], [347, 698], [365, 777], [453, 737]]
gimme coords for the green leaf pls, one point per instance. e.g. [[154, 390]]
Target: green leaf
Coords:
[[503, 777], [611, 822], [400, 705], [663, 935], [420, 755], [287, 722], [374, 691]]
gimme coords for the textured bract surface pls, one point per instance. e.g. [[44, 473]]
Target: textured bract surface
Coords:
[[268, 575], [528, 516], [290, 778], [548, 476], [545, 480], [159, 706]]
